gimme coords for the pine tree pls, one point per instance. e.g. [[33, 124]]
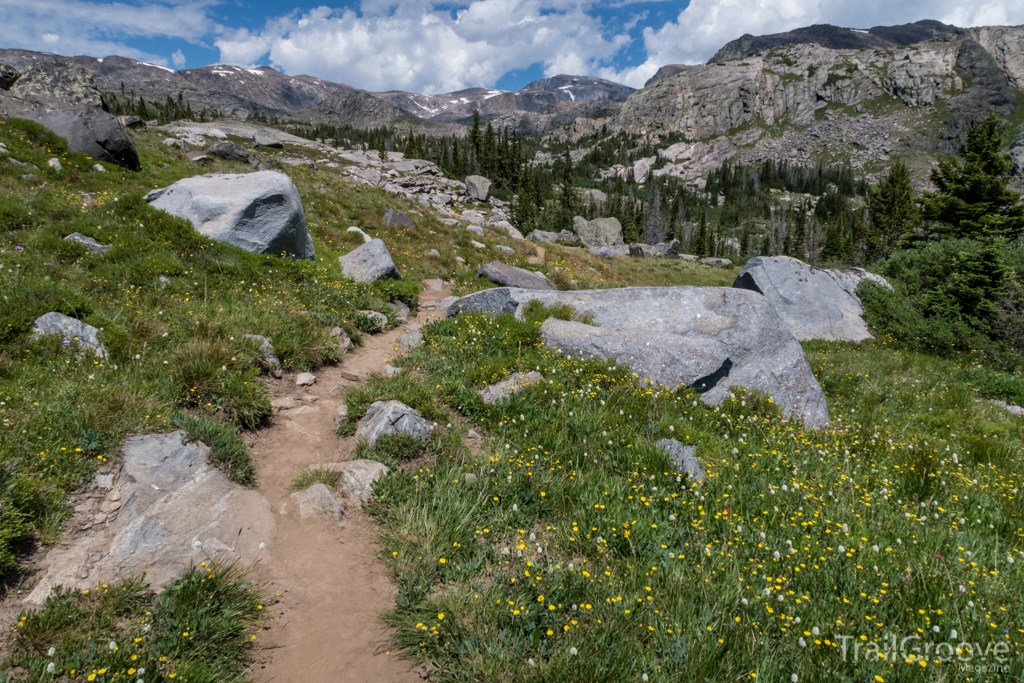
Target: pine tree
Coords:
[[973, 199], [653, 233], [893, 212]]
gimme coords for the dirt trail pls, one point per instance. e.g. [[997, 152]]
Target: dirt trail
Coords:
[[332, 588]]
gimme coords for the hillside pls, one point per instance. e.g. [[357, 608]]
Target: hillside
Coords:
[[697, 386]]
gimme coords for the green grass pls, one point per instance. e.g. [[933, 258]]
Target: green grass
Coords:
[[578, 553], [227, 449], [199, 629], [315, 475]]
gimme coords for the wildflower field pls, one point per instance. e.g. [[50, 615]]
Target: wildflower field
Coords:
[[570, 549]]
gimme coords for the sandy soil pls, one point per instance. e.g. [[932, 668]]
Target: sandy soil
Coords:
[[331, 588]]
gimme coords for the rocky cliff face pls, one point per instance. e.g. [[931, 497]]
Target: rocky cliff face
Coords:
[[808, 103], [838, 38]]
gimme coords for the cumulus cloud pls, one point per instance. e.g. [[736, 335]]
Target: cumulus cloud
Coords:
[[427, 47], [705, 25], [102, 28]]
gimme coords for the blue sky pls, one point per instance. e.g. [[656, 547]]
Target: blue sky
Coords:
[[432, 47]]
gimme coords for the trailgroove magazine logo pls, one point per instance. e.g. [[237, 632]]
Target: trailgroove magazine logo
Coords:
[[976, 657]]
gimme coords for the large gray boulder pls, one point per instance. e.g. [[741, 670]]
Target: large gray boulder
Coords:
[[71, 329], [91, 245], [259, 212], [65, 100], [168, 509], [813, 303], [390, 417], [600, 232], [358, 477], [710, 338], [266, 139], [510, 276], [369, 262], [478, 187]]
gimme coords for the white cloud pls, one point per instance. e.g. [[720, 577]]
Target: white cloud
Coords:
[[102, 28], [178, 59], [706, 25], [422, 46]]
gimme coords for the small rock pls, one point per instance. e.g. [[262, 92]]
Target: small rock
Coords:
[[391, 417], [506, 250], [432, 252], [104, 481], [358, 231], [409, 340], [284, 403], [270, 360], [684, 458], [689, 258], [353, 376], [434, 285], [477, 245], [54, 163], [199, 157], [469, 477], [390, 371], [317, 499], [305, 379], [1009, 407], [507, 387], [402, 311], [344, 341], [131, 121], [269, 165], [341, 414], [358, 477], [83, 573], [446, 303], [98, 168], [378, 319], [3, 149], [175, 142], [91, 245], [459, 259], [472, 434], [716, 262], [476, 230], [396, 219], [71, 329], [84, 507]]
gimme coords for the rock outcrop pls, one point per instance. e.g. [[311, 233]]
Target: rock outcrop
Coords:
[[684, 458], [709, 338], [510, 276], [66, 100], [167, 510], [259, 212], [369, 262], [813, 303]]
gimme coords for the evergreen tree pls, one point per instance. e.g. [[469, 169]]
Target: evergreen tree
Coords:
[[653, 233], [893, 212], [568, 199], [973, 199]]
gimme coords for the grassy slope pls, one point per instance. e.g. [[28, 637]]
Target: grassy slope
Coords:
[[579, 554]]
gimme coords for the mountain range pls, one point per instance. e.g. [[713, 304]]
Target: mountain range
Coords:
[[818, 94]]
